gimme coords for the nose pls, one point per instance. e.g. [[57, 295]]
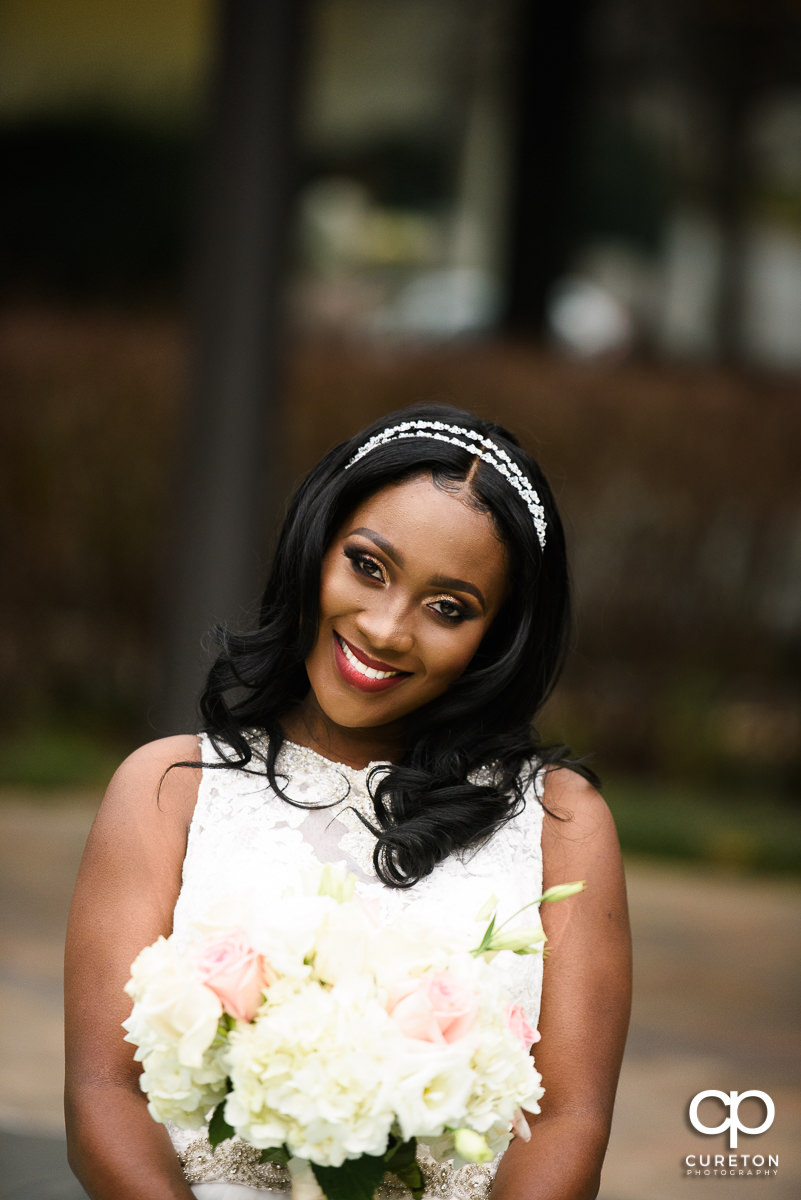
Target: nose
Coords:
[[386, 626]]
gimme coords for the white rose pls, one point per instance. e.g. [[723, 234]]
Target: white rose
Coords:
[[345, 944], [433, 1088], [285, 932], [171, 1007], [406, 948]]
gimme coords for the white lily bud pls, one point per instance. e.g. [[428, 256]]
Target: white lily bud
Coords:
[[472, 1146], [487, 909], [521, 941], [336, 883], [561, 891]]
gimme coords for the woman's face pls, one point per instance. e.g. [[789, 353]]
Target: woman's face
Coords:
[[409, 587]]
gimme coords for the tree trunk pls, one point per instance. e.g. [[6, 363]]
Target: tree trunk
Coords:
[[229, 481]]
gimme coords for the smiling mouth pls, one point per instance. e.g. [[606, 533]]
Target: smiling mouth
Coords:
[[366, 674]]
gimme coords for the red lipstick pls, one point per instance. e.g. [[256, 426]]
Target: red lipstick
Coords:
[[362, 672]]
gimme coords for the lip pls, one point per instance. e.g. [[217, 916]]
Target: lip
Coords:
[[355, 678]]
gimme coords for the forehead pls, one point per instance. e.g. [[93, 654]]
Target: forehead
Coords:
[[436, 531]]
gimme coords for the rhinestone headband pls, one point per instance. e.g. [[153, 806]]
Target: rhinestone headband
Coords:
[[475, 443]]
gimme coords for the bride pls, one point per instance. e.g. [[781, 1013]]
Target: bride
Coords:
[[415, 620]]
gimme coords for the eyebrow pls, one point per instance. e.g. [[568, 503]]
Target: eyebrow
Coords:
[[459, 585], [382, 544], [439, 581]]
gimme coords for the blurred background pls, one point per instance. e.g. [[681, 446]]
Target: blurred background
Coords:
[[233, 233]]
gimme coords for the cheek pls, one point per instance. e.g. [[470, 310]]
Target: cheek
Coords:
[[451, 659], [335, 591]]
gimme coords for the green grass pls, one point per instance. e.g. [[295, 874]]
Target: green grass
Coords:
[[743, 831], [53, 758]]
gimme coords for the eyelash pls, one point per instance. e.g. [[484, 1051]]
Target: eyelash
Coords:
[[360, 561], [452, 618]]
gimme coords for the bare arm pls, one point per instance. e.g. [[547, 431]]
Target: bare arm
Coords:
[[585, 1003], [127, 887]]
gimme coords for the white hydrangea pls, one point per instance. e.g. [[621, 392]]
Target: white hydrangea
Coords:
[[315, 1071], [183, 1095]]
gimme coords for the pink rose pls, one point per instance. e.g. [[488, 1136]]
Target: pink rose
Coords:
[[231, 968], [435, 1008], [516, 1020]]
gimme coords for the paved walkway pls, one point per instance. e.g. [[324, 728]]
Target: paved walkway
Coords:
[[717, 989]]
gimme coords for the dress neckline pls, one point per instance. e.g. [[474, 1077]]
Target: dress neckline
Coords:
[[294, 755], [301, 753]]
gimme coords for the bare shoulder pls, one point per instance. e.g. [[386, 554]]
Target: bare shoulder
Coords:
[[578, 828], [572, 799], [131, 867], [160, 777], [160, 755], [125, 896]]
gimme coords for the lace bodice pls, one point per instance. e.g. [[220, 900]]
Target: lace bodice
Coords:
[[245, 836]]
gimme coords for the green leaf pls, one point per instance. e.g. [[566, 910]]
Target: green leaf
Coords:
[[401, 1159], [356, 1179], [219, 1129], [485, 941], [393, 1146], [276, 1154]]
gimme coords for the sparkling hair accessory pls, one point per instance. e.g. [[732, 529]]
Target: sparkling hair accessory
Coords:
[[475, 443]]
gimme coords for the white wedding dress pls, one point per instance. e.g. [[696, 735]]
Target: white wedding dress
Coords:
[[243, 833]]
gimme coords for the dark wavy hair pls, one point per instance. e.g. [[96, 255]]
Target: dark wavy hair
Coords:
[[426, 806]]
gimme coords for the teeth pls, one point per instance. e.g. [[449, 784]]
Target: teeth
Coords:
[[358, 665]]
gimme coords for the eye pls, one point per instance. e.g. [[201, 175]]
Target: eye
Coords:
[[448, 608], [364, 564]]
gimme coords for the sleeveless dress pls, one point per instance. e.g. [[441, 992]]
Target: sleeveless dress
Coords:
[[242, 833]]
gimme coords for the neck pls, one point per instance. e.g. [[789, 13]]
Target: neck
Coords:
[[308, 725]]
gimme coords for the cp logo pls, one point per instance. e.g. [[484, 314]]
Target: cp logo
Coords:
[[732, 1101]]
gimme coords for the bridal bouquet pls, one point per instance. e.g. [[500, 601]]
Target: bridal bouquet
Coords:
[[333, 1042]]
